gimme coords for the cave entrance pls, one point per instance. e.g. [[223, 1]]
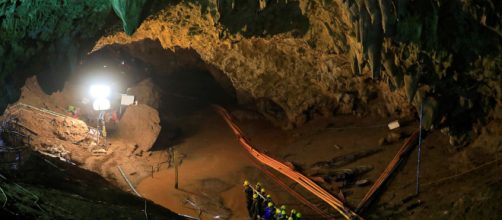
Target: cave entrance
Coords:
[[175, 82]]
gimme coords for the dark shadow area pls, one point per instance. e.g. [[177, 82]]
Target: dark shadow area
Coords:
[[73, 192], [277, 17]]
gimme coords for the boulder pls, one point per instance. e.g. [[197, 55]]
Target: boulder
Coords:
[[140, 125]]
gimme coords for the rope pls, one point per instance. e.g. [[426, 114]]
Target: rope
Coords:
[[5, 203], [419, 149], [129, 182], [461, 174]]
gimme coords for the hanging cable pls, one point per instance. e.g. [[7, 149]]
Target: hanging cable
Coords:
[[419, 149]]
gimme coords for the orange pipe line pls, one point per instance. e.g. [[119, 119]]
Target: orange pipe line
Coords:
[[285, 170]]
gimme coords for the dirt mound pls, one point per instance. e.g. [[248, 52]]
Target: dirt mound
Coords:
[[32, 94], [37, 121], [140, 124]]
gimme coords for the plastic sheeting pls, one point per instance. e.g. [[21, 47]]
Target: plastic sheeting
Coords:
[[129, 11]]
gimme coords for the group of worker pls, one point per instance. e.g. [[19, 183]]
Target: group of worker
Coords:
[[260, 205]]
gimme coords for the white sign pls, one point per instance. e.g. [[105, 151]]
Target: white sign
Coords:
[[127, 99], [393, 125]]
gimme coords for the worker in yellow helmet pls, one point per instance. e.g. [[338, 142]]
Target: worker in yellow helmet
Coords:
[[258, 187], [268, 199], [269, 211], [255, 208], [277, 214], [293, 213], [284, 215], [298, 216], [261, 201], [249, 196]]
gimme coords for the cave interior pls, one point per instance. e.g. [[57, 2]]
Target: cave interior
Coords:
[[335, 109]]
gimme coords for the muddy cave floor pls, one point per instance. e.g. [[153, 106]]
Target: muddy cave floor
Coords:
[[214, 166]]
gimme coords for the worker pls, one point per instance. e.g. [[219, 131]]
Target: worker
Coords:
[[298, 216], [277, 215], [268, 199], [115, 118], [258, 187], [269, 211], [249, 196], [284, 215], [255, 208], [71, 110], [293, 214], [262, 202], [279, 212], [76, 113]]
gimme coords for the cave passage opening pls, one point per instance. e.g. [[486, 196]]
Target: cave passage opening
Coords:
[[177, 83]]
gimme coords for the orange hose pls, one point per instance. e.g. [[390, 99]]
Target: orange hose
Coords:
[[285, 170]]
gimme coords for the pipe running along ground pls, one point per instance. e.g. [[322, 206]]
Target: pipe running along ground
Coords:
[[305, 182]]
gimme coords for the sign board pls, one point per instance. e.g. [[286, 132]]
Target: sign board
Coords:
[[127, 99], [393, 125]]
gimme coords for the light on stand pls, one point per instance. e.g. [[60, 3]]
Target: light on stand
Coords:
[[100, 91], [101, 103]]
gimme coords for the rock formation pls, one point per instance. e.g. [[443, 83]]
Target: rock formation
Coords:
[[294, 60]]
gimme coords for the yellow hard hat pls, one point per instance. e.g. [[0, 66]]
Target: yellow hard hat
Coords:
[[290, 218], [258, 184], [278, 211], [283, 212], [246, 183], [293, 211], [298, 215], [269, 196], [283, 207], [270, 204], [255, 196], [262, 190]]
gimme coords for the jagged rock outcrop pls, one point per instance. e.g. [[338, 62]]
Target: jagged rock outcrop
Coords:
[[290, 77], [444, 55], [298, 58]]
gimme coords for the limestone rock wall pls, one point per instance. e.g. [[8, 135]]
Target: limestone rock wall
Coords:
[[445, 56], [292, 71], [300, 58]]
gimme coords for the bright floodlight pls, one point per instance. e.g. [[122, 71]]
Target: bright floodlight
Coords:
[[100, 91], [101, 104]]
